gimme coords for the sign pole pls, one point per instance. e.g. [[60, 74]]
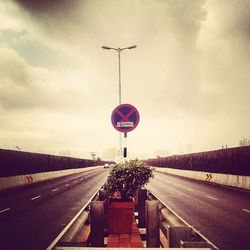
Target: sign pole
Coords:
[[120, 98], [125, 150], [125, 118]]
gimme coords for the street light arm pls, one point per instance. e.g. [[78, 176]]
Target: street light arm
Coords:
[[132, 47], [119, 49], [106, 47]]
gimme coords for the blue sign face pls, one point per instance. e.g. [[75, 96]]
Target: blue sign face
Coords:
[[125, 118]]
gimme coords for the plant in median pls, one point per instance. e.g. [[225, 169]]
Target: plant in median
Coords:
[[126, 178]]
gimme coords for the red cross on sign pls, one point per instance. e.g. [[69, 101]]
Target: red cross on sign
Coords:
[[125, 118]]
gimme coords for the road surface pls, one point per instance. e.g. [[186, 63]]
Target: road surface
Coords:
[[32, 216], [221, 214]]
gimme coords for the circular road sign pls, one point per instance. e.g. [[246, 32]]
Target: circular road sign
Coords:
[[125, 118]]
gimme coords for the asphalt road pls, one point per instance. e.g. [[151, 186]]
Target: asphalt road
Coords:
[[32, 216], [221, 214]]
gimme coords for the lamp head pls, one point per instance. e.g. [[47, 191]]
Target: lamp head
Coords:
[[105, 47], [132, 47]]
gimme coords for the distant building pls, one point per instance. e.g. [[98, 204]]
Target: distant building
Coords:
[[244, 142]]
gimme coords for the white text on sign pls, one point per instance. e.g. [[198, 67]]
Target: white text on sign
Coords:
[[125, 124]]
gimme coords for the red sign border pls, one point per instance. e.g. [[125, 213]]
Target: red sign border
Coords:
[[121, 106]]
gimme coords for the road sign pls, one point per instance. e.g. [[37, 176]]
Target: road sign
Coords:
[[125, 118]]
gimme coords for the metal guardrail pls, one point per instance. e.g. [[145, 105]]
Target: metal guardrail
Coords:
[[75, 226], [176, 232], [172, 230]]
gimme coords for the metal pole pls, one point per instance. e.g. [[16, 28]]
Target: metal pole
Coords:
[[119, 50], [125, 151], [120, 97], [120, 84]]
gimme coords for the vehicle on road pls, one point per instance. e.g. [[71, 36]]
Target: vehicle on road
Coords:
[[106, 165]]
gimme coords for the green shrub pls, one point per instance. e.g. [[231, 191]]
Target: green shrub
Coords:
[[126, 178]]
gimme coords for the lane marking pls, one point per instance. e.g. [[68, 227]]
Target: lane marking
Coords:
[[54, 189], [189, 189], [53, 243], [211, 197], [66, 185], [246, 210], [34, 198], [4, 210], [172, 211]]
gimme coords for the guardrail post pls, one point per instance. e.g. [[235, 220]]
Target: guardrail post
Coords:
[[142, 197], [176, 234], [102, 195], [97, 223], [152, 223]]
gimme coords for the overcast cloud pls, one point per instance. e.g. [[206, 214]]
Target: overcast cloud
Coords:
[[188, 77]]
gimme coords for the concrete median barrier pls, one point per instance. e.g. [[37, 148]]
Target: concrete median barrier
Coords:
[[238, 181], [21, 180]]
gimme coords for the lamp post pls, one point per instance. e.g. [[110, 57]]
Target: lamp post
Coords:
[[119, 50]]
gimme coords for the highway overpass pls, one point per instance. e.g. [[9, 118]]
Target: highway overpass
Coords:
[[32, 215]]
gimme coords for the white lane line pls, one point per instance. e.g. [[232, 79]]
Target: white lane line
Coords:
[[189, 189], [34, 198], [66, 185], [53, 243], [4, 210], [54, 189], [211, 197], [246, 210]]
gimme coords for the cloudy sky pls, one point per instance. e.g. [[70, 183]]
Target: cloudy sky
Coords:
[[188, 76]]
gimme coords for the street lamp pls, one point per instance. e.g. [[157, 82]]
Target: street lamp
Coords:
[[119, 50]]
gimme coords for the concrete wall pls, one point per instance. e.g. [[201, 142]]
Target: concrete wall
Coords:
[[223, 179], [238, 181], [20, 180]]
